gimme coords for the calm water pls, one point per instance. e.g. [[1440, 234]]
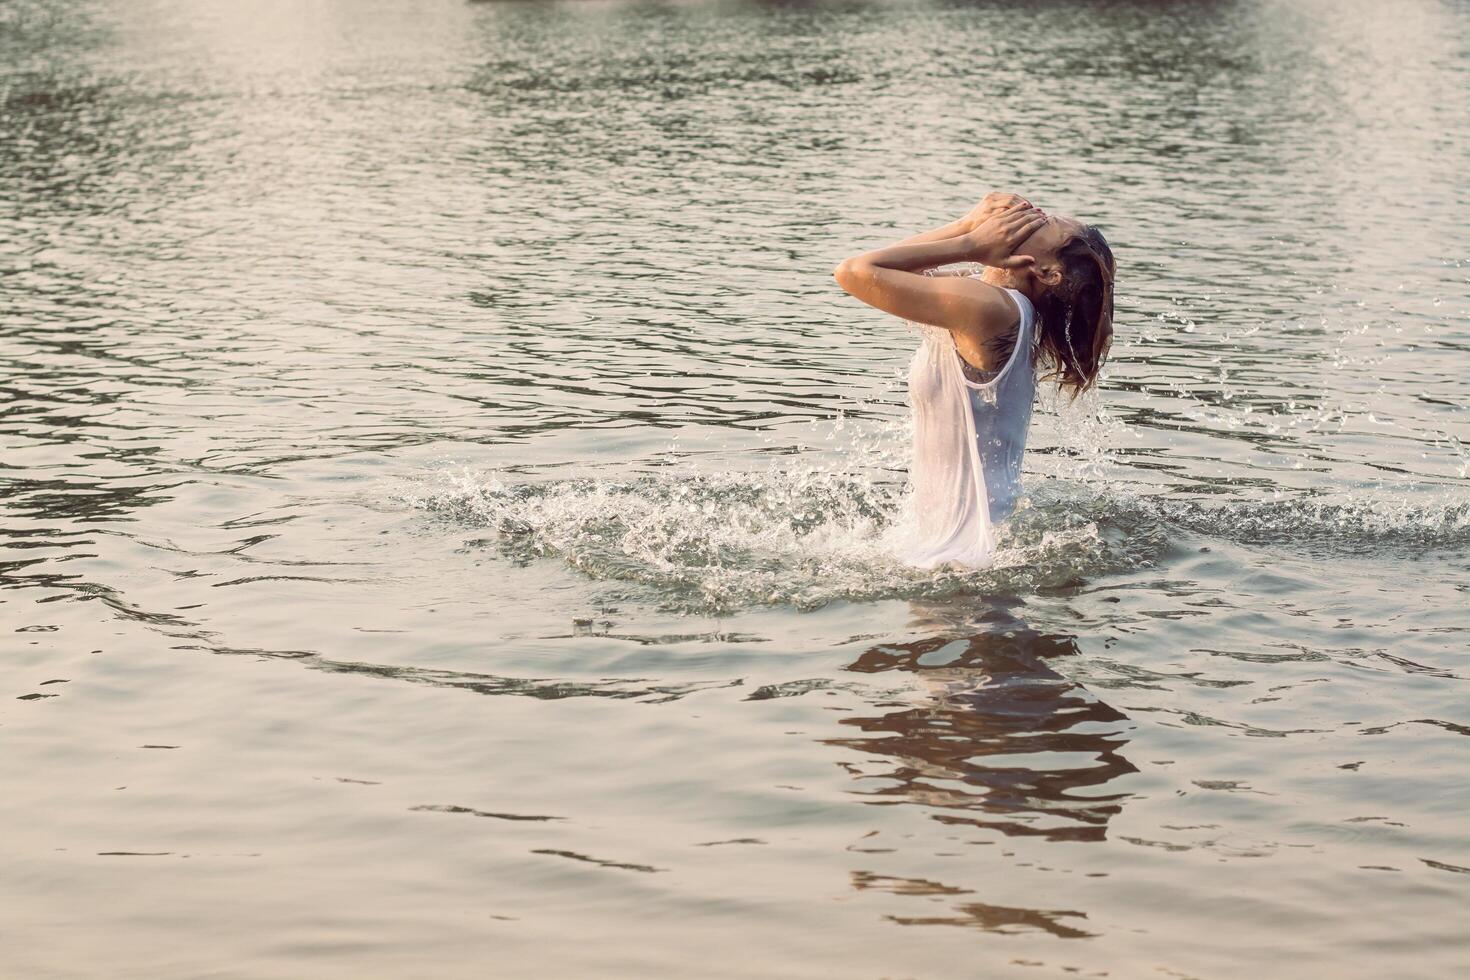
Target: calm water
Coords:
[[443, 489]]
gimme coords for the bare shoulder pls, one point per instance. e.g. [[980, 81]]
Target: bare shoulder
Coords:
[[997, 315]]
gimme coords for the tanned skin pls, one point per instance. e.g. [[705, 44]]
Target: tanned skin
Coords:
[[1016, 241]]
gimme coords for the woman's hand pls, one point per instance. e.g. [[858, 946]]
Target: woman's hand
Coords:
[[992, 203], [994, 239]]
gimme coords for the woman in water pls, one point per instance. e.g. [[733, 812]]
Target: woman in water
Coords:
[[1045, 300]]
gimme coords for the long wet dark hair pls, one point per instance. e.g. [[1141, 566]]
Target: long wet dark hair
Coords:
[[1076, 315]]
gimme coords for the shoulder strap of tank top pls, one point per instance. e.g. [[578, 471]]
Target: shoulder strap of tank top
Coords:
[[1028, 316]]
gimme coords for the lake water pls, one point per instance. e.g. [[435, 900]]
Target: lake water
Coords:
[[444, 487]]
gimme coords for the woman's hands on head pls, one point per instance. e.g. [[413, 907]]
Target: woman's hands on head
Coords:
[[989, 205], [892, 279], [1005, 224]]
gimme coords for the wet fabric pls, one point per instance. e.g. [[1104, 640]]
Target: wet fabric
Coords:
[[969, 439]]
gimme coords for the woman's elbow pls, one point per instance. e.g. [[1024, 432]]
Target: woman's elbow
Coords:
[[847, 274], [841, 273]]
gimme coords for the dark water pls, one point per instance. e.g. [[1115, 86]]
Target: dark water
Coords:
[[443, 490]]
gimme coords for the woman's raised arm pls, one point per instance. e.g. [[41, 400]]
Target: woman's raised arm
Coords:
[[890, 280]]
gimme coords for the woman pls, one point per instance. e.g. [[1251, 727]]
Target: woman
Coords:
[[1045, 298]]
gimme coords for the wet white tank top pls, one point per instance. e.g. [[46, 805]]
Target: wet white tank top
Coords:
[[969, 437]]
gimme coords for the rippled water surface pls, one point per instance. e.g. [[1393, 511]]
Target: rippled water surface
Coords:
[[444, 495]]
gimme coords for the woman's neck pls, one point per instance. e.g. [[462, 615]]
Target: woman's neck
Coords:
[[1005, 279]]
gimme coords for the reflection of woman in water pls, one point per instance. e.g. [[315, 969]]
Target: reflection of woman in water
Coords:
[[1004, 741], [1045, 298]]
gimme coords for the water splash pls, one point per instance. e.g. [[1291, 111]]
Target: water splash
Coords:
[[1369, 524], [716, 541], [713, 542]]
